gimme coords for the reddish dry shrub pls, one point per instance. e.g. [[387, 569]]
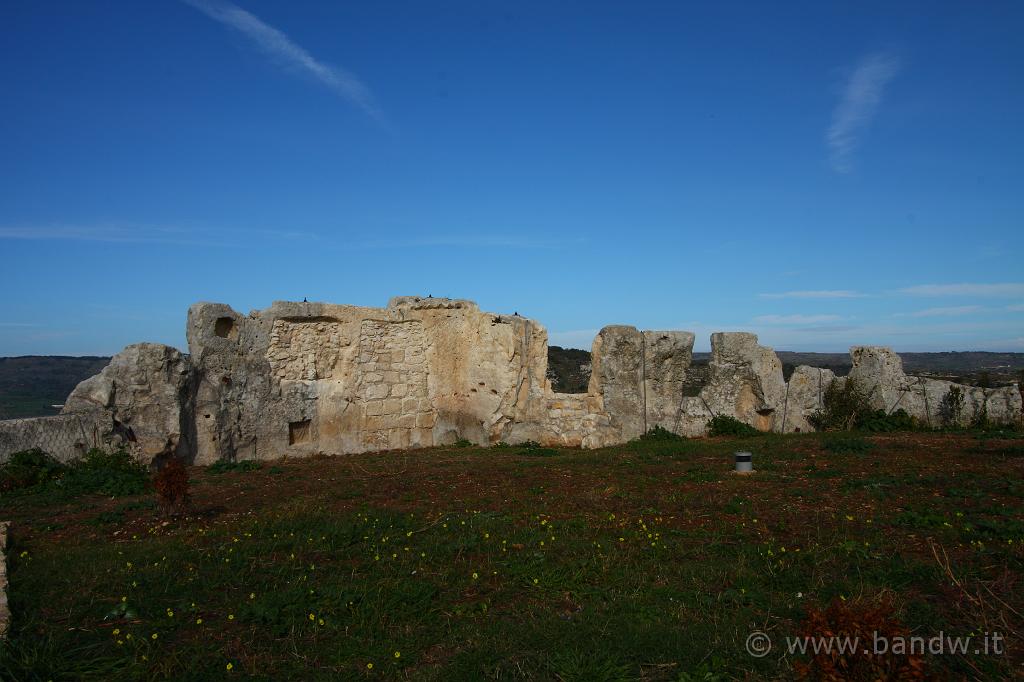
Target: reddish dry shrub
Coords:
[[865, 622], [171, 485]]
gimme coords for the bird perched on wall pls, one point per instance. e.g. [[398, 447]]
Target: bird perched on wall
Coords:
[[304, 300]]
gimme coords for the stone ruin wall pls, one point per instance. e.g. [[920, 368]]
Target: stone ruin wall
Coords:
[[307, 378]]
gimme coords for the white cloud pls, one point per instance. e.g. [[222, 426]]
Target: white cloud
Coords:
[[829, 329], [280, 46], [473, 240], [795, 319], [862, 95], [966, 289], [825, 293], [943, 312], [140, 234]]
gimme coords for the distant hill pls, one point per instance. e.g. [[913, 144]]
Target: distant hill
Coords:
[[569, 367], [952, 362], [967, 367], [30, 385]]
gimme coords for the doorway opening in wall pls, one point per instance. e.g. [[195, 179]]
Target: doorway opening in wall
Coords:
[[298, 432], [568, 369], [698, 375]]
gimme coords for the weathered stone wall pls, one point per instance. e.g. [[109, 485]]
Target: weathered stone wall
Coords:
[[65, 437], [312, 377], [305, 378]]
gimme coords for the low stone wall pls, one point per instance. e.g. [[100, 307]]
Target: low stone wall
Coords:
[[65, 437]]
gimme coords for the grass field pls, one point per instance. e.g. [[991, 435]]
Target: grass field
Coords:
[[21, 406], [647, 561]]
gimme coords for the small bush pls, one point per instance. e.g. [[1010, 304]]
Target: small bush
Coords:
[[659, 433], [223, 466], [659, 443], [724, 425], [462, 443], [29, 468], [530, 448], [880, 422], [951, 407], [980, 420], [534, 449], [852, 620], [171, 485], [999, 432], [842, 404], [108, 473]]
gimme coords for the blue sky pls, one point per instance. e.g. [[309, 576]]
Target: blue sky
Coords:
[[824, 174]]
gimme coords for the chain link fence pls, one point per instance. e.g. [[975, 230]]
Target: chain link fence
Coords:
[[65, 437]]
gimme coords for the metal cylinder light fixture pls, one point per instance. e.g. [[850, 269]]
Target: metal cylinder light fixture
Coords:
[[744, 463]]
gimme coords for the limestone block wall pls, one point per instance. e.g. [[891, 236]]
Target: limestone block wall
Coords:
[[305, 350], [392, 387], [576, 420], [305, 378], [314, 377]]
